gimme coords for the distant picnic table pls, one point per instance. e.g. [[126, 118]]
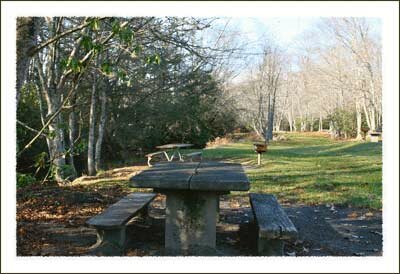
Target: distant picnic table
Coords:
[[175, 148]]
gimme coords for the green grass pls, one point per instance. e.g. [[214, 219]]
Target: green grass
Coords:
[[312, 170], [304, 169]]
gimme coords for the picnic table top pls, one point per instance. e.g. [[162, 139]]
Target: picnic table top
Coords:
[[203, 176], [375, 133], [174, 146]]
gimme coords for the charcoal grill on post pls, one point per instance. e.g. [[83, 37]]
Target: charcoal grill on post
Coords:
[[260, 148]]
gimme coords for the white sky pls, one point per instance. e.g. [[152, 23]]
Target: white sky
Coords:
[[283, 31]]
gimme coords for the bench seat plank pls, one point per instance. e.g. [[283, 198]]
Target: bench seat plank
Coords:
[[121, 212], [155, 153], [272, 220], [151, 155], [198, 153]]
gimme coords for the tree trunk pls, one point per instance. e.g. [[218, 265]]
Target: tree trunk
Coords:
[[91, 160], [379, 119], [100, 135], [332, 130], [303, 125], [271, 115], [278, 122], [359, 121], [290, 121], [320, 123], [372, 118], [72, 137], [270, 125], [367, 118], [25, 42], [56, 141], [255, 128], [294, 125]]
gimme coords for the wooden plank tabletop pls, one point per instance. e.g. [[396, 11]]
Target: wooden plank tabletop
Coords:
[[174, 146], [219, 176], [206, 176], [165, 175]]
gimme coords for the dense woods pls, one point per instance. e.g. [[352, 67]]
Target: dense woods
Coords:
[[89, 87], [99, 89]]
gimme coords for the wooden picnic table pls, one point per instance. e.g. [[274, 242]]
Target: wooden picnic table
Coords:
[[175, 148], [192, 191]]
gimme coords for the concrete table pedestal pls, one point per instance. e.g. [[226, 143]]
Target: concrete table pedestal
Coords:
[[190, 226]]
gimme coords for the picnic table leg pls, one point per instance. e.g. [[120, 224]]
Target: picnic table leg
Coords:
[[180, 156], [148, 162], [190, 227], [172, 157], [166, 156], [110, 242]]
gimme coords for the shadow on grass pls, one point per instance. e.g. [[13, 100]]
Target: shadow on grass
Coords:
[[228, 153], [338, 149], [279, 179], [313, 151]]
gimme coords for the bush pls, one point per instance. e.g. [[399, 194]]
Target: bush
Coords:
[[344, 123], [24, 180], [68, 172]]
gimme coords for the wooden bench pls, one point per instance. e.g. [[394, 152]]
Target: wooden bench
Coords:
[[111, 223], [273, 224], [151, 155], [194, 155]]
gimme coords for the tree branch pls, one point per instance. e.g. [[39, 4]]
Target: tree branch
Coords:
[[35, 50], [31, 129]]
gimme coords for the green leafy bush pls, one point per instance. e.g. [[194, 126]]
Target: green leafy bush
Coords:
[[344, 123], [24, 180], [67, 172]]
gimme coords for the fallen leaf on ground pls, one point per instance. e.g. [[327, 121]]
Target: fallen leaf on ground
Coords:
[[352, 215]]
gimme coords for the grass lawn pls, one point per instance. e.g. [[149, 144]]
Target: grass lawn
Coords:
[[312, 169], [307, 168]]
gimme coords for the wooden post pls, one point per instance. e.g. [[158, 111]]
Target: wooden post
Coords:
[[259, 158]]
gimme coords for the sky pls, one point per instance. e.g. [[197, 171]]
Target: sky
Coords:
[[285, 32], [254, 31], [283, 29]]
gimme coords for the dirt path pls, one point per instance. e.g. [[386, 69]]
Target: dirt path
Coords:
[[51, 223]]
